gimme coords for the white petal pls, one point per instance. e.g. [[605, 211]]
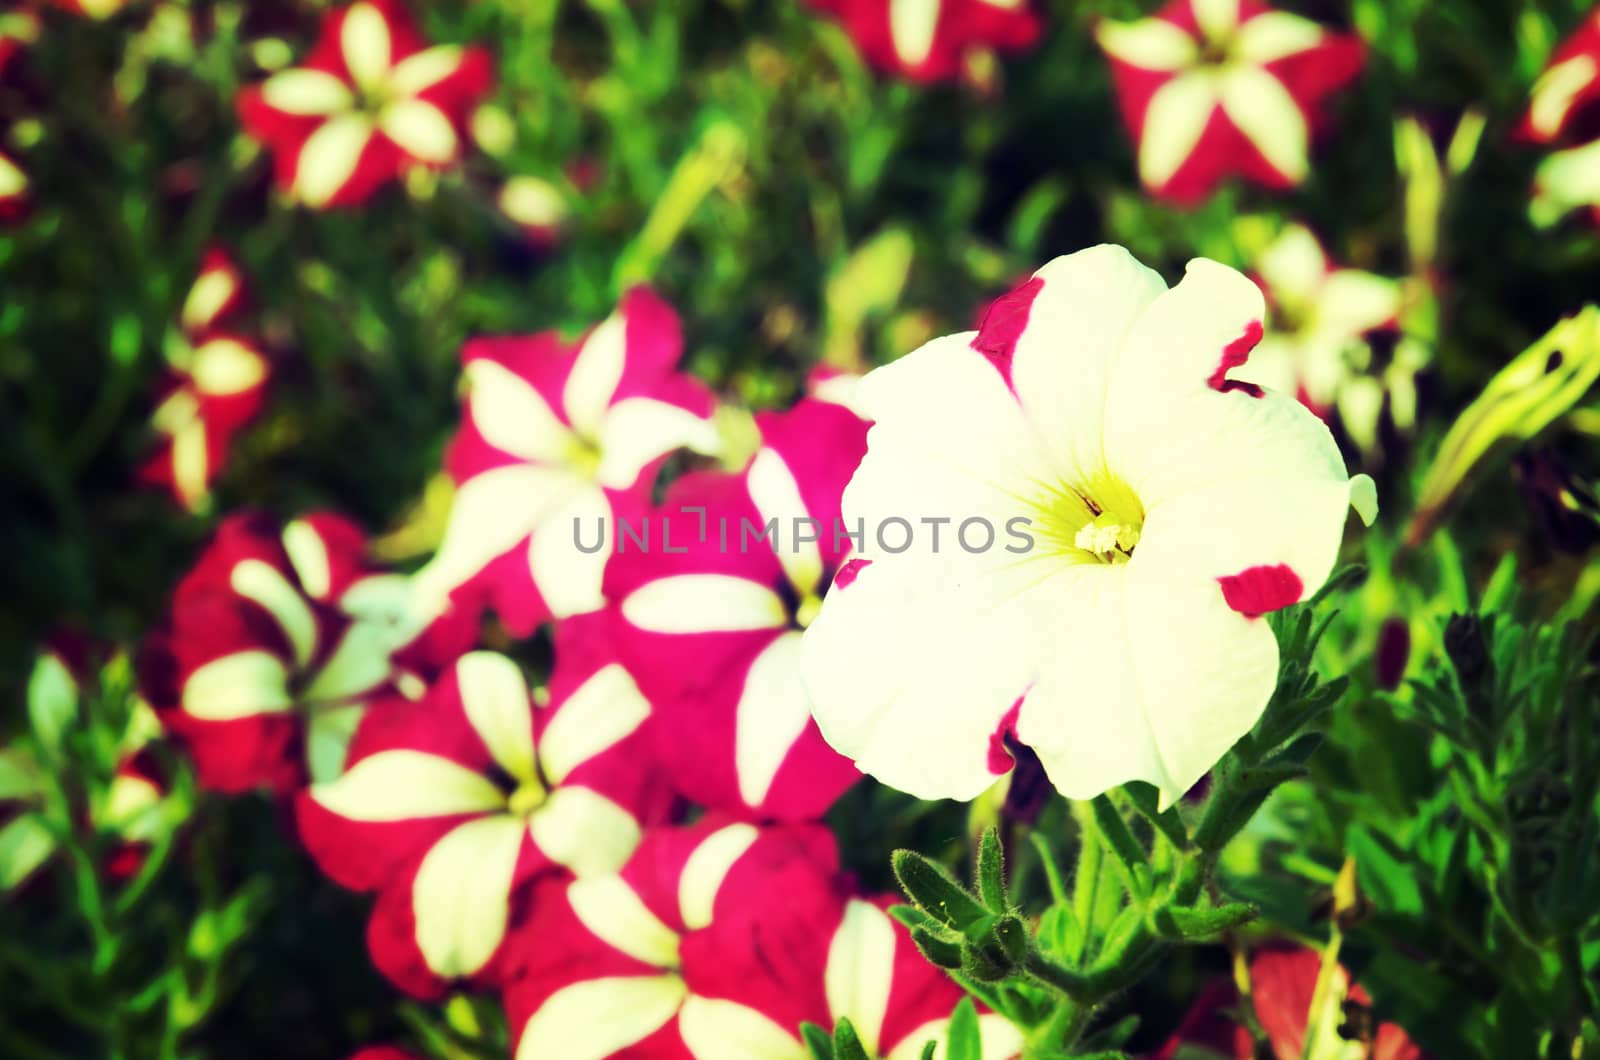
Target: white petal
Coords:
[[1268, 115], [1173, 122], [949, 440], [640, 430], [726, 1030], [365, 43], [1274, 35], [601, 713], [421, 130], [1354, 302], [585, 831], [911, 667], [707, 866], [1077, 325], [615, 915], [1216, 18], [403, 784], [596, 1018], [495, 698], [211, 291], [461, 896], [512, 416], [860, 971], [191, 462], [913, 25], [237, 686], [776, 495], [772, 714], [13, 181], [308, 555], [307, 93], [1149, 44], [595, 375], [1294, 266], [568, 577], [1173, 352], [358, 665], [998, 1039], [261, 582], [493, 512], [420, 72], [329, 158], [704, 603]]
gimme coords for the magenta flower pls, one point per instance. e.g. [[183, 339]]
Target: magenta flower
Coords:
[[453, 804], [1217, 88], [371, 102], [933, 40], [713, 632], [18, 30], [710, 944], [1561, 113], [559, 438], [213, 384], [277, 641]]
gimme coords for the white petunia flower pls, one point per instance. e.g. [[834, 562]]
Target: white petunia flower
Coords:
[[1168, 507]]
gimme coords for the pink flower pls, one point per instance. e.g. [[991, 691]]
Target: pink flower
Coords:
[[371, 101], [277, 641], [558, 438], [453, 804], [1218, 88], [713, 632], [213, 385], [710, 943], [932, 40], [1283, 982]]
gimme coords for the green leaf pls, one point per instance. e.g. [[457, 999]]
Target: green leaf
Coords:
[[992, 871], [847, 1044], [929, 1050], [964, 1042], [941, 951], [25, 844], [933, 890], [1182, 923], [1384, 877], [52, 701], [817, 1041]]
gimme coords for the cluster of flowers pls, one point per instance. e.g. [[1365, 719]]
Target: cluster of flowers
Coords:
[[536, 840]]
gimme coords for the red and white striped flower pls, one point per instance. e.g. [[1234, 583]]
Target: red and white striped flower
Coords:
[[451, 805], [558, 441], [371, 102], [1146, 509], [1561, 111], [1218, 88], [931, 40], [91, 8], [835, 386], [213, 384], [710, 615], [709, 945], [277, 641], [896, 1001], [1319, 346]]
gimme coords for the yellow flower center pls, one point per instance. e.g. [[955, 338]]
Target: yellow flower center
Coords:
[[1096, 521], [527, 798], [583, 456], [807, 610]]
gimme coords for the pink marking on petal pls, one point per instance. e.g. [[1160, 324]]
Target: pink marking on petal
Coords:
[[1000, 760], [849, 572], [1235, 354], [1256, 590], [1003, 324]]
